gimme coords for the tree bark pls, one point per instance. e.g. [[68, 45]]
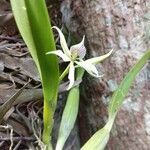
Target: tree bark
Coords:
[[122, 25]]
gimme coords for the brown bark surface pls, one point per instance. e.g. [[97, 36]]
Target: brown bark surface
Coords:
[[122, 25]]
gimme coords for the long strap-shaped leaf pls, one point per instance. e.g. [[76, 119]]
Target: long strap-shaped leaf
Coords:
[[69, 117], [124, 87], [99, 140], [33, 22], [70, 113]]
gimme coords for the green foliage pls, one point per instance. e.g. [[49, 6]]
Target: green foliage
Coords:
[[124, 87], [33, 22], [69, 117], [70, 113], [100, 138]]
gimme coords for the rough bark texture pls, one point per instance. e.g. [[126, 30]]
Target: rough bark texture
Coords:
[[124, 26]]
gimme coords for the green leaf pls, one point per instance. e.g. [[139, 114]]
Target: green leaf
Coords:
[[69, 117], [100, 138], [70, 113], [33, 22], [119, 95]]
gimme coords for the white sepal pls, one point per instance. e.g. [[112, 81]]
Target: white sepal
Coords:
[[71, 75], [60, 54], [98, 59], [63, 42], [90, 68]]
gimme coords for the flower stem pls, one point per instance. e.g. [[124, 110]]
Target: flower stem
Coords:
[[64, 73]]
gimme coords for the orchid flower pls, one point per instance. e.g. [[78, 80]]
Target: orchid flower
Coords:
[[75, 56]]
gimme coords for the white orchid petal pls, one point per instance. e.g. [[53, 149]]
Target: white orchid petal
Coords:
[[90, 68], [60, 54], [63, 42], [79, 49], [98, 59], [71, 76]]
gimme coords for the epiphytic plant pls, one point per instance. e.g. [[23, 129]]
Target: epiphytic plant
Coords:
[[33, 22]]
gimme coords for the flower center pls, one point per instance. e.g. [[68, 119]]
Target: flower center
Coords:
[[74, 55]]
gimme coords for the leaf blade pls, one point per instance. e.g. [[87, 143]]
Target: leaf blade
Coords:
[[70, 113], [98, 139], [34, 25], [68, 117], [125, 85]]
